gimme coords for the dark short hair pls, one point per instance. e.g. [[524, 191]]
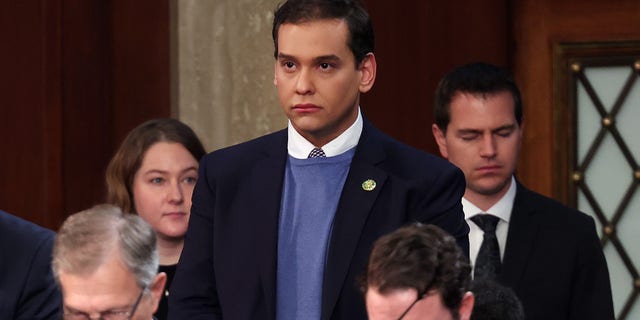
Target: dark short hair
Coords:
[[421, 257], [361, 39], [128, 159], [476, 78], [495, 302]]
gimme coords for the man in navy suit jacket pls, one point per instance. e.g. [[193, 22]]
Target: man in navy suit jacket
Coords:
[[27, 288], [274, 235], [551, 254]]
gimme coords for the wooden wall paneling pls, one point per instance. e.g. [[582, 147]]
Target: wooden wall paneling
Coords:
[[29, 183], [87, 80], [78, 75], [537, 27], [51, 100], [417, 42], [117, 76], [140, 64]]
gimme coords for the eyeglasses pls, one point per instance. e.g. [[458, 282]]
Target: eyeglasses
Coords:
[[418, 298], [106, 315]]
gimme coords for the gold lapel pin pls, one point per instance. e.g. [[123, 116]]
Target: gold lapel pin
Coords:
[[368, 185]]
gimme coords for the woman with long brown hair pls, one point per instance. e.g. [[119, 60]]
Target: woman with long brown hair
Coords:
[[153, 174]]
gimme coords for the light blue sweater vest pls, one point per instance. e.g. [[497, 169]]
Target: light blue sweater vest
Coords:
[[312, 189]]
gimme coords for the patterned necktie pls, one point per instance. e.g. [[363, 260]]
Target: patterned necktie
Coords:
[[488, 260], [317, 153]]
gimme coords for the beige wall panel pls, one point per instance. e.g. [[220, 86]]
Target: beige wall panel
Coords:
[[222, 66]]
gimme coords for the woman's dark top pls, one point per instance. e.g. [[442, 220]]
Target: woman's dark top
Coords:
[[161, 313]]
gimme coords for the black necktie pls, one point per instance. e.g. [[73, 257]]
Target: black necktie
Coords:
[[488, 261], [316, 153]]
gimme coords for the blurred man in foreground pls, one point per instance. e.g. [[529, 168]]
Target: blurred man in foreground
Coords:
[[418, 272], [106, 263]]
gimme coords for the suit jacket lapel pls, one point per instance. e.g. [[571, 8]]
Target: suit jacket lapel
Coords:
[[353, 209], [523, 229], [265, 185]]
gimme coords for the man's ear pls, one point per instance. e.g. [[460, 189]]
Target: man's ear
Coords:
[[466, 306], [157, 289], [439, 135], [367, 68]]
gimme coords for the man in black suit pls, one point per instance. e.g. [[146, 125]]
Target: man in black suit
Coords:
[[27, 288], [550, 254], [277, 235]]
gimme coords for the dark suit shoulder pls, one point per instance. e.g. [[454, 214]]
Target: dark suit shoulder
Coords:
[[240, 155], [552, 211], [26, 280], [554, 260], [22, 242], [404, 160], [24, 233], [254, 145]]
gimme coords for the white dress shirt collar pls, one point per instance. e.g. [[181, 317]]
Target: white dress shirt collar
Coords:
[[299, 147]]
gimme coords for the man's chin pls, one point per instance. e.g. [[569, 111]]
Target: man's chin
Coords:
[[489, 189]]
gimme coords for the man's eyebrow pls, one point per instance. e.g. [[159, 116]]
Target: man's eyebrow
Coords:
[[327, 58], [113, 309], [468, 131], [476, 131], [319, 59], [71, 309], [284, 56], [504, 127]]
